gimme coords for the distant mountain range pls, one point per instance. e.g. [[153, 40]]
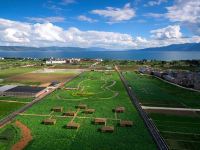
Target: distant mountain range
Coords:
[[174, 47]]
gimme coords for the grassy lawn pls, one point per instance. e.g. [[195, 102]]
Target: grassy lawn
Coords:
[[154, 92], [18, 99], [180, 132], [8, 136], [6, 108], [5, 73], [101, 92]]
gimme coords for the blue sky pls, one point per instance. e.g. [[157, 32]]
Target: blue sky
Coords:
[[135, 23]]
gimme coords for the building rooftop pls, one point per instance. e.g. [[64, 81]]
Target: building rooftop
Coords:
[[26, 89], [6, 87]]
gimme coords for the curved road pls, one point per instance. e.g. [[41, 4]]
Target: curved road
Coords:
[[161, 144]]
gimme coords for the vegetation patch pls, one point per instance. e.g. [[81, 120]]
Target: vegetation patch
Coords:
[[78, 130], [154, 92]]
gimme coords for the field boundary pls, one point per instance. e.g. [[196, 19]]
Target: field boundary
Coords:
[[26, 136]]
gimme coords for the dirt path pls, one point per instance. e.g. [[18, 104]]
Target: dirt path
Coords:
[[9, 101], [26, 137]]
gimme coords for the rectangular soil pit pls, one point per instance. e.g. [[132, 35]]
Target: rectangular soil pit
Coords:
[[126, 123], [49, 121], [119, 109], [101, 121], [72, 125], [89, 111], [108, 129], [69, 113], [82, 106], [57, 109]]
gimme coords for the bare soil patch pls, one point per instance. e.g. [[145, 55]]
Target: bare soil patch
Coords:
[[26, 137], [40, 77]]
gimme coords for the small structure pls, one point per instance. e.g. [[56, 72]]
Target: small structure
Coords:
[[72, 125], [54, 83], [57, 109], [21, 91], [109, 129], [49, 121], [89, 111], [69, 113], [100, 121], [82, 106], [126, 123], [119, 109]]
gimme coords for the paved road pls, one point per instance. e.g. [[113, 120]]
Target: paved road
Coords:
[[161, 144], [10, 117], [169, 108]]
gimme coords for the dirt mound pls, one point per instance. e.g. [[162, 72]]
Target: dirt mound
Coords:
[[26, 136]]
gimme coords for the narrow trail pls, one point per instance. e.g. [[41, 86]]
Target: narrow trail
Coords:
[[9, 101], [103, 87], [26, 137]]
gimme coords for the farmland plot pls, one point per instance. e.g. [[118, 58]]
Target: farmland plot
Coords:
[[96, 90]]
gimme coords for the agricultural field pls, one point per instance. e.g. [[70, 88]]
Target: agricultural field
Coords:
[[8, 107], [180, 132], [5, 73], [97, 90], [13, 63], [43, 76], [8, 136], [10, 104], [154, 92], [179, 129]]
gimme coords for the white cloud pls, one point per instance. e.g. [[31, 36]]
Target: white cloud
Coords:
[[46, 19], [87, 19], [66, 2], [155, 2], [169, 32], [116, 15], [47, 34], [186, 12], [154, 15]]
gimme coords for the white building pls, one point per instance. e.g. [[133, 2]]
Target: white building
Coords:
[[55, 62]]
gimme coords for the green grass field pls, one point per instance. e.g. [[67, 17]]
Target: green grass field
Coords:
[[180, 132], [101, 92], [5, 73], [154, 92], [6, 108], [8, 136]]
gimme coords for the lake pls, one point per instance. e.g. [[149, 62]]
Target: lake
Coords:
[[121, 55]]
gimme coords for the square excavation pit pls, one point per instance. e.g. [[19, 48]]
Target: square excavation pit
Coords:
[[82, 106], [126, 123], [57, 109], [108, 129], [89, 111], [72, 125], [100, 121], [49, 121], [69, 113], [119, 109]]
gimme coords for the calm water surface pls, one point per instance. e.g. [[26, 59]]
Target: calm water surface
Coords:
[[128, 55]]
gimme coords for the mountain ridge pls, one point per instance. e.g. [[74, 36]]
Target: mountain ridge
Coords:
[[174, 47]]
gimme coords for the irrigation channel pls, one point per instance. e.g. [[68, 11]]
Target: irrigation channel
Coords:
[[10, 117], [160, 142]]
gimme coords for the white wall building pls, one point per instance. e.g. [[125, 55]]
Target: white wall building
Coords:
[[55, 62]]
